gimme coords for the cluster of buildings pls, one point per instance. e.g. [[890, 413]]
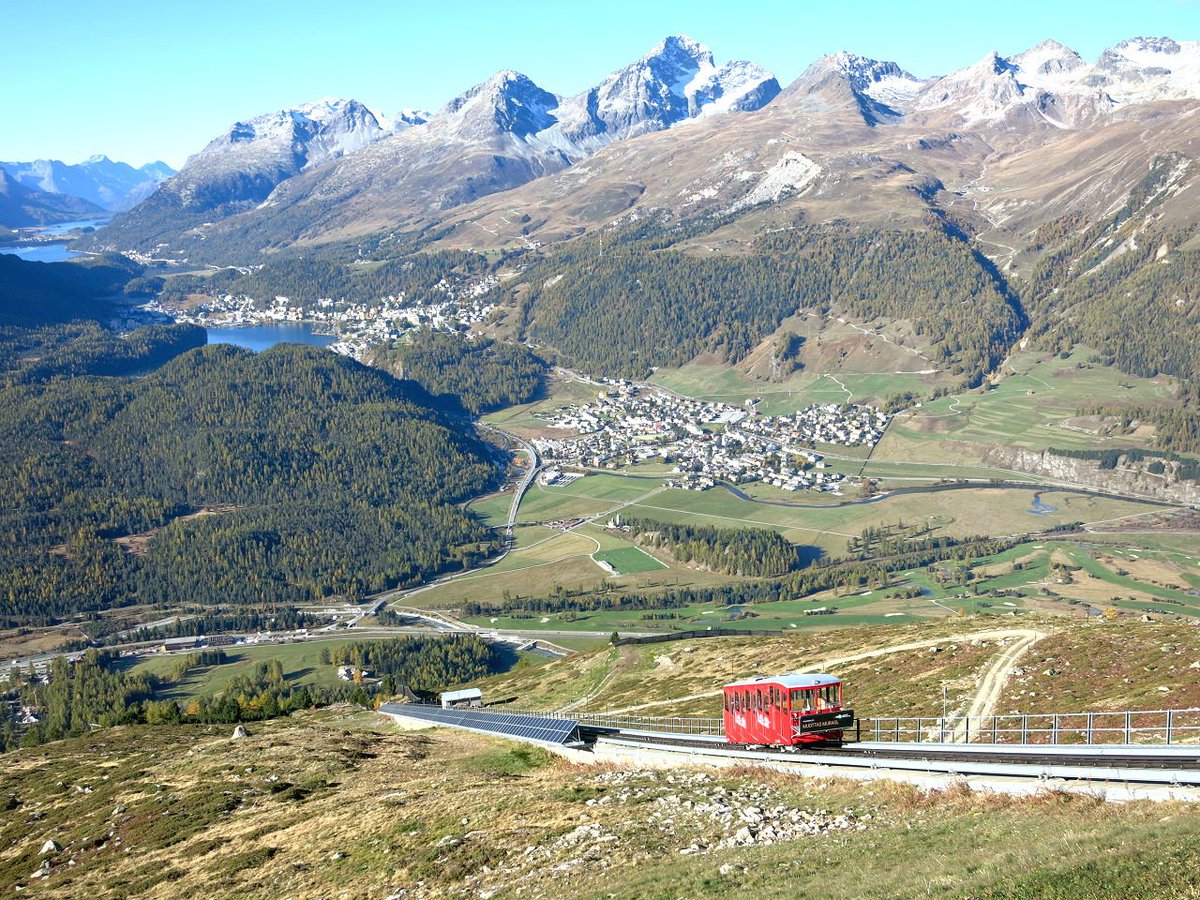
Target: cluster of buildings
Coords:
[[707, 442], [359, 326]]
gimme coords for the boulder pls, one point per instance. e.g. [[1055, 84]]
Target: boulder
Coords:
[[240, 733], [49, 847]]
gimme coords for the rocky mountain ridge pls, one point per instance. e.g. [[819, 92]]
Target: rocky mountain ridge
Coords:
[[508, 163], [315, 161]]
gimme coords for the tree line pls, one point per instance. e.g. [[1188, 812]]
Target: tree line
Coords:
[[308, 278], [732, 551], [99, 690], [836, 574]]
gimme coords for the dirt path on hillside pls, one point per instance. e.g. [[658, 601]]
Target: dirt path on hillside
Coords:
[[995, 677], [986, 698]]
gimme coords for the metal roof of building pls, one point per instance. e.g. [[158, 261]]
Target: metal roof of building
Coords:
[[791, 681], [463, 694]]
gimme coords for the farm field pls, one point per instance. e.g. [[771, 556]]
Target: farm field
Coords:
[[629, 560], [1019, 580], [547, 561], [1031, 406]]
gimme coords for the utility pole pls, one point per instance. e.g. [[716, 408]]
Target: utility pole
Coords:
[[944, 713]]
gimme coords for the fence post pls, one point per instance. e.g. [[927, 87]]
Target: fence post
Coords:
[[920, 733], [1024, 729], [897, 724], [1128, 725], [857, 730], [966, 729], [995, 730], [1090, 717], [1170, 723], [1054, 729]]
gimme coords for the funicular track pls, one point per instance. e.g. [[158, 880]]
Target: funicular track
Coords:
[[1123, 757]]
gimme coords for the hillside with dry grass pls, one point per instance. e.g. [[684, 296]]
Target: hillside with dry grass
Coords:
[[898, 670], [336, 803]]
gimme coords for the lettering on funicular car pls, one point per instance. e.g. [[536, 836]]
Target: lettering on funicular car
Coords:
[[785, 710]]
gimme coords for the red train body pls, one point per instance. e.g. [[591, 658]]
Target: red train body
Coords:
[[785, 710]]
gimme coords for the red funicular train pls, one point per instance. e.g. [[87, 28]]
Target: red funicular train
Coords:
[[785, 710]]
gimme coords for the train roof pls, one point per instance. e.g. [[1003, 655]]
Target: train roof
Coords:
[[792, 681]]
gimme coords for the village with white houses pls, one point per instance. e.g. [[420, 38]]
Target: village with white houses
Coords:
[[358, 326], [706, 442]]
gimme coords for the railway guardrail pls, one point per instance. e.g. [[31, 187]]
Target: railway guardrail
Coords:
[[1151, 727]]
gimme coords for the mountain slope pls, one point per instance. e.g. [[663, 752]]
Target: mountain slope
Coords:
[[22, 206], [239, 169], [114, 186], [497, 135]]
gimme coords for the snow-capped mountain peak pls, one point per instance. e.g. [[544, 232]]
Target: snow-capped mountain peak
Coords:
[[1049, 58], [986, 89], [508, 102], [675, 81], [883, 81], [1146, 69], [1052, 81]]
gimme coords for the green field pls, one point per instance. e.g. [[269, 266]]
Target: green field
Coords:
[[629, 560], [301, 665], [1032, 406]]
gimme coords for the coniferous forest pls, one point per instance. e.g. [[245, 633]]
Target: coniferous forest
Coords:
[[647, 303], [220, 477], [481, 374], [733, 551]]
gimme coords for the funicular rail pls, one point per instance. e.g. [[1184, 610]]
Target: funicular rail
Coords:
[[1132, 729], [1124, 757]]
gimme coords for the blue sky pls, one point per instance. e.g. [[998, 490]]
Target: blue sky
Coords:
[[141, 80]]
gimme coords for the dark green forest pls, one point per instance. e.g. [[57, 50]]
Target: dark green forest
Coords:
[[34, 293], [481, 374], [645, 303], [323, 476], [32, 355]]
